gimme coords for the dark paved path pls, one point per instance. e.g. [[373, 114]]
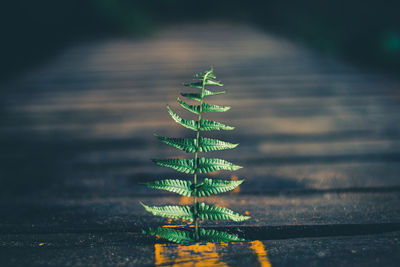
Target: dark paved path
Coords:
[[320, 142]]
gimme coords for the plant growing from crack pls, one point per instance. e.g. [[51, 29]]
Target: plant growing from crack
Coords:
[[197, 165]]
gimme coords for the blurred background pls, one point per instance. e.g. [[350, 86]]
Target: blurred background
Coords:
[[312, 84], [361, 32]]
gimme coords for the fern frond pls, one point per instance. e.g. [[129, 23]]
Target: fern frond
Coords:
[[180, 165], [210, 73], [185, 188], [193, 96], [172, 212], [214, 108], [197, 96], [209, 81], [216, 186], [181, 187], [190, 124], [191, 108], [207, 165], [210, 144], [172, 235], [189, 145], [204, 165], [216, 213], [195, 84], [186, 144], [218, 236], [196, 166], [210, 93], [207, 125], [185, 236], [204, 107]]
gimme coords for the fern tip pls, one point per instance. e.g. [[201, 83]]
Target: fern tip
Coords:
[[237, 167]]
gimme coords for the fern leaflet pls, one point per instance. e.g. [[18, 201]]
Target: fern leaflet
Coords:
[[197, 96], [218, 236], [181, 187], [189, 145], [207, 125], [190, 124], [172, 235], [216, 213], [199, 84], [185, 236], [172, 212], [216, 186], [204, 107], [204, 165], [186, 188]]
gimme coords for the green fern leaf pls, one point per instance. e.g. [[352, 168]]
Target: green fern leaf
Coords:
[[195, 84], [172, 235], [210, 72], [205, 165], [210, 144], [210, 75], [186, 144], [191, 108], [190, 124], [214, 108], [189, 145], [173, 212], [181, 165], [200, 76], [207, 125], [185, 188], [218, 236], [197, 96], [193, 96], [185, 236], [210, 93], [209, 81], [181, 187], [215, 186], [204, 107], [216, 213]]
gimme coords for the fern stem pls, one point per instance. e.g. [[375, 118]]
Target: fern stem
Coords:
[[195, 188], [196, 155]]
